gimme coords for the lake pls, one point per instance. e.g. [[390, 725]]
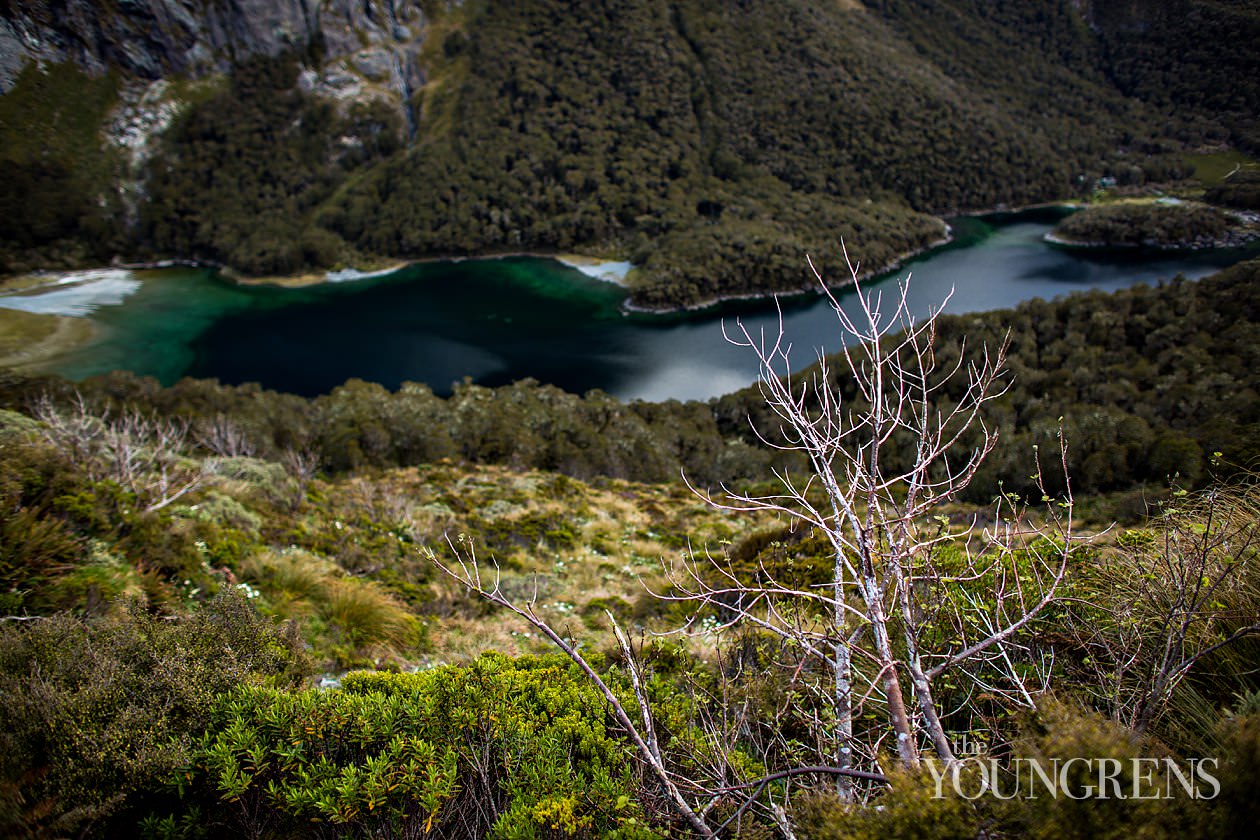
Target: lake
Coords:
[[500, 320]]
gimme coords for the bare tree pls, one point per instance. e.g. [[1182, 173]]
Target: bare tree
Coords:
[[224, 437], [75, 431], [910, 599], [302, 465], [145, 455]]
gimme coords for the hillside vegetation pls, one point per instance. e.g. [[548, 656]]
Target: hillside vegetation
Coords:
[[175, 563], [711, 144], [227, 612]]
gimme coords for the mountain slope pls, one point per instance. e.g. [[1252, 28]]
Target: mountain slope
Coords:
[[713, 144]]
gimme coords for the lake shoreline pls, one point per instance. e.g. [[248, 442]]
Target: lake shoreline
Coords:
[[37, 280], [573, 260], [1232, 239], [476, 320], [43, 338], [31, 281], [299, 281], [583, 261]]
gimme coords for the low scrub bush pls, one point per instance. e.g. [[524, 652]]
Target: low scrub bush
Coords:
[[509, 748], [96, 712]]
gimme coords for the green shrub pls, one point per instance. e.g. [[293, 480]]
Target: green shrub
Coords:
[[96, 712], [502, 748], [911, 808], [1235, 812], [1062, 731]]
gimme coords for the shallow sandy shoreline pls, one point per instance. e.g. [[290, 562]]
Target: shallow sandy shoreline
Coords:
[[581, 262], [299, 281], [39, 279], [62, 333]]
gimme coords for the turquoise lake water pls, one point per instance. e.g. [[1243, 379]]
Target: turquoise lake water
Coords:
[[500, 320]]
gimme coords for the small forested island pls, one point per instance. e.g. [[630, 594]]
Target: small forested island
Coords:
[[1155, 224]]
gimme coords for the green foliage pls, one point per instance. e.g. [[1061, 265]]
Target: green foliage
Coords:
[[1188, 55], [792, 556], [1094, 361], [927, 804], [1236, 809], [1154, 617], [98, 711], [1090, 363], [1063, 731], [910, 809], [523, 425], [507, 748], [1241, 190], [240, 172], [71, 541], [58, 205], [1150, 225]]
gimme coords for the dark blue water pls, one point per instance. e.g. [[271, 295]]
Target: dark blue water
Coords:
[[497, 321]]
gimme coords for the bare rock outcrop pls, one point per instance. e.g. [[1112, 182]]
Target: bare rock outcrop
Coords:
[[369, 48]]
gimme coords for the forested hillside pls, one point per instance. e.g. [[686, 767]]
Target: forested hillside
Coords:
[[1194, 57], [711, 144]]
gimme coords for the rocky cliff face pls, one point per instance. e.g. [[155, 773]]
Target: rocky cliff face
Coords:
[[370, 47]]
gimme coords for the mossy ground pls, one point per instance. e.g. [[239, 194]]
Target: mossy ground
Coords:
[[574, 548]]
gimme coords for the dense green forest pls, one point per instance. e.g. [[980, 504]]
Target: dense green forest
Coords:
[[1194, 57], [177, 562], [56, 209], [710, 144], [245, 167]]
